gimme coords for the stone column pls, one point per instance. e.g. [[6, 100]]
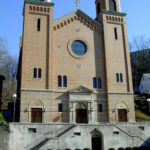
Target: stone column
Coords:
[[90, 112], [71, 112], [74, 117]]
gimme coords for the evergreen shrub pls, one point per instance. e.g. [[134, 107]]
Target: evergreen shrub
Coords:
[[128, 148], [86, 149], [121, 148]]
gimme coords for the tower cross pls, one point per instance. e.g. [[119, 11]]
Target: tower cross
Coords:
[[77, 3]]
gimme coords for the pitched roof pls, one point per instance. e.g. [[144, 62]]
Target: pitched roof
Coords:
[[146, 74], [80, 13], [80, 89], [2, 77]]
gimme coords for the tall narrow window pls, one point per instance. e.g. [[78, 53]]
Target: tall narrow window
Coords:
[[99, 83], [60, 107], [115, 33], [59, 81], [98, 8], [38, 24], [100, 109], [94, 82], [39, 73], [117, 77], [64, 81], [34, 73], [121, 77]]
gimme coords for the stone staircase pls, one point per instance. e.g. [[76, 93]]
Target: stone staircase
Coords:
[[49, 136], [132, 132]]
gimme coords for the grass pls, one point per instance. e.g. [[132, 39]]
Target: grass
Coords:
[[2, 120], [140, 116]]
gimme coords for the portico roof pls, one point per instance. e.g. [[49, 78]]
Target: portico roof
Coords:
[[81, 89]]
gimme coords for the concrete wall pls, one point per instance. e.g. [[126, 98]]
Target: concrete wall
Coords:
[[61, 136], [4, 137]]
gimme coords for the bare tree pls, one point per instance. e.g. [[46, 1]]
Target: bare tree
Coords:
[[8, 68], [140, 59]]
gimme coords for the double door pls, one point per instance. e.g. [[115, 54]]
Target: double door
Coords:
[[36, 115]]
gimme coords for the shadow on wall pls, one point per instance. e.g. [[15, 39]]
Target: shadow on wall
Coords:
[[146, 143]]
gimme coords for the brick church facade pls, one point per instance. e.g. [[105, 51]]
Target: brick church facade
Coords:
[[74, 69]]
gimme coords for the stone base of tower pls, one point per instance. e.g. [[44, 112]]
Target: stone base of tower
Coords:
[[27, 136], [121, 107]]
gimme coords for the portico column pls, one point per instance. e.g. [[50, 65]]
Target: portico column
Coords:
[[74, 110], [71, 112], [90, 117]]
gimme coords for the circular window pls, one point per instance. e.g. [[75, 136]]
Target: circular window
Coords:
[[78, 47]]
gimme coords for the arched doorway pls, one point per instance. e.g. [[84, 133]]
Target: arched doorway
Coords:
[[97, 140], [81, 113], [122, 112]]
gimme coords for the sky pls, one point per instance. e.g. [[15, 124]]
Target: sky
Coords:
[[11, 19]]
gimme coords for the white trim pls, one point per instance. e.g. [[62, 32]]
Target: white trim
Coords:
[[61, 91]]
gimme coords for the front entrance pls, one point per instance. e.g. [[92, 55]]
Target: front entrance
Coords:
[[36, 115], [81, 113], [122, 115], [96, 141]]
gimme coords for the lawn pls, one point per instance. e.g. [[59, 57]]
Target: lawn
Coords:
[[2, 120], [140, 116]]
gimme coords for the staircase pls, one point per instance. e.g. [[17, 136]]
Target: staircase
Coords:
[[49, 136], [133, 132]]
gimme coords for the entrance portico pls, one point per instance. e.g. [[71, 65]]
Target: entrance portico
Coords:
[[81, 105]]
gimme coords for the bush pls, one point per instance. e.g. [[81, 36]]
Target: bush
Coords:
[[2, 120], [121, 148], [136, 148], [67, 149], [144, 148], [111, 149], [86, 149], [129, 148], [77, 149]]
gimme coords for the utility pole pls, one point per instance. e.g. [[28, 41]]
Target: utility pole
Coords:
[[14, 98]]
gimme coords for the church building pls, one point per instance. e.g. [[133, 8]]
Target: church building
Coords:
[[74, 69]]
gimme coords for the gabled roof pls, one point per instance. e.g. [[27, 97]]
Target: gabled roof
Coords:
[[80, 89], [2, 77], [146, 75], [81, 16]]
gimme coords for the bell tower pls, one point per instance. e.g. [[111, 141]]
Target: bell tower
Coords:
[[110, 5], [117, 58]]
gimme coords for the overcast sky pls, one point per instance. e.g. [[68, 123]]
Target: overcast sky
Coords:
[[11, 20]]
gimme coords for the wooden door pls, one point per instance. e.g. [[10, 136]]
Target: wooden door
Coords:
[[122, 115], [36, 115], [81, 115], [96, 143]]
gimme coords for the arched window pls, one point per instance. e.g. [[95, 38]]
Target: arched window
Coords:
[[59, 81], [98, 8], [99, 83], [112, 5], [64, 81], [34, 73], [94, 82], [117, 77], [121, 77], [38, 24], [39, 72]]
